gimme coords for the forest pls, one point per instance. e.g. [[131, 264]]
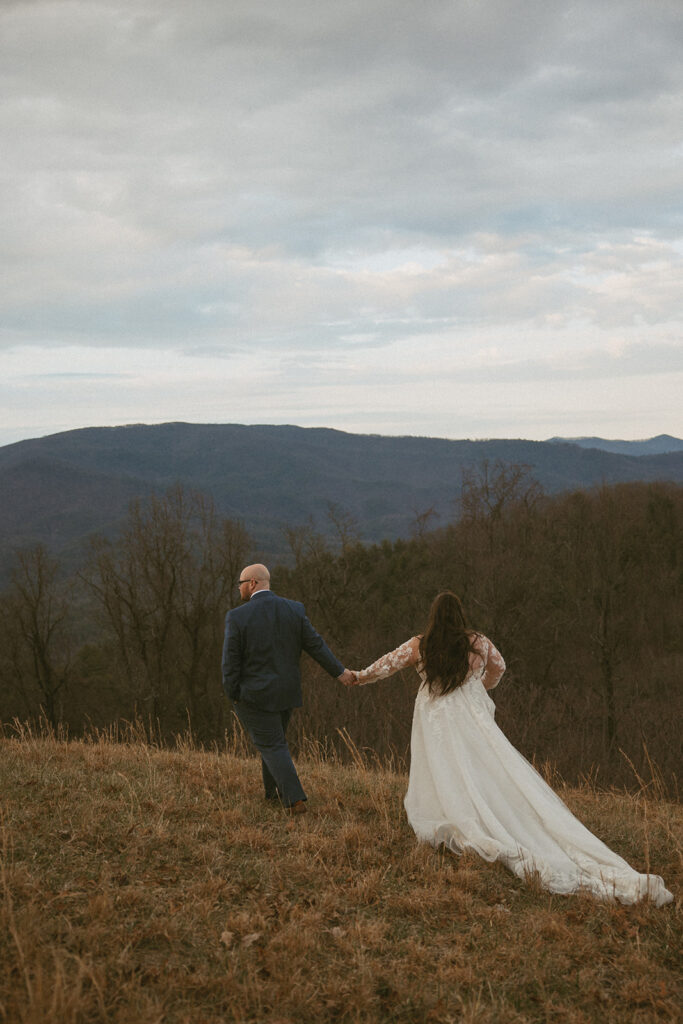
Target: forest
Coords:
[[581, 592]]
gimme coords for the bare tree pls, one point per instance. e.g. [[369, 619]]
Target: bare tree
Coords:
[[324, 573], [36, 635], [617, 575], [488, 492], [163, 590]]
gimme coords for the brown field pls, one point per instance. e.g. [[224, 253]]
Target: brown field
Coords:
[[142, 885]]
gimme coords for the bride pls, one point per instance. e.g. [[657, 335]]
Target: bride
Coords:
[[470, 789]]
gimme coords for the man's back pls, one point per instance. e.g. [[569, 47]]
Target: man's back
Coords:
[[264, 639]]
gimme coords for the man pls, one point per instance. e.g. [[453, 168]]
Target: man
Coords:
[[264, 638]]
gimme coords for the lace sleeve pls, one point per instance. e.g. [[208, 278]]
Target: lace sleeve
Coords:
[[405, 655], [493, 660]]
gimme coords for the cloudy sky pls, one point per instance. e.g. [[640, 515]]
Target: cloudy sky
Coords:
[[457, 218]]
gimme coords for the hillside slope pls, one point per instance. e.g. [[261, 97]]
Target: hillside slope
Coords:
[[144, 885]]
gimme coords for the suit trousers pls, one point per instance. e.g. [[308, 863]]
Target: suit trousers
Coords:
[[267, 732]]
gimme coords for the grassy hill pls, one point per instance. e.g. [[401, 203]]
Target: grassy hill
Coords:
[[143, 885], [60, 488]]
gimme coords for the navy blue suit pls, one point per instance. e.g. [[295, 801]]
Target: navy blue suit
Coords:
[[264, 638]]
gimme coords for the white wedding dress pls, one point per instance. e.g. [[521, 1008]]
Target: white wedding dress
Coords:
[[472, 790]]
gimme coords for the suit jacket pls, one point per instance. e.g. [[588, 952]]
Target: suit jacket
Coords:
[[263, 642]]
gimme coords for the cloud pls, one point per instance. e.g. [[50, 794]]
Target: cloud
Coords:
[[217, 180]]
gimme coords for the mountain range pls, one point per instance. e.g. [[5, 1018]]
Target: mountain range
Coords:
[[61, 488], [659, 445]]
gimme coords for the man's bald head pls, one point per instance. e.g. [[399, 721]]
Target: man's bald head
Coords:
[[252, 578], [256, 572]]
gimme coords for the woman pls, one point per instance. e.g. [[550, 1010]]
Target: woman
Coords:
[[470, 789]]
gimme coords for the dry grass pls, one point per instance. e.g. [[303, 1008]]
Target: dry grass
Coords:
[[143, 885]]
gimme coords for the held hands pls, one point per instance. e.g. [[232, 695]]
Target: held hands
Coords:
[[348, 678]]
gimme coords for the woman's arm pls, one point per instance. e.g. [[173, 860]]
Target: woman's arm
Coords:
[[405, 655], [493, 659]]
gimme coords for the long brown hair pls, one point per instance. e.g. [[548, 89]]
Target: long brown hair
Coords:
[[446, 644]]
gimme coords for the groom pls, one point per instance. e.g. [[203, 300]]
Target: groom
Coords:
[[264, 638]]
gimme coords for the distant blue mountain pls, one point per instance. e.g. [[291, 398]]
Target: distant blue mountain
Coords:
[[59, 489], [660, 445]]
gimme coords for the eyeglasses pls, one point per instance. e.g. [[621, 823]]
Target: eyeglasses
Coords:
[[240, 582]]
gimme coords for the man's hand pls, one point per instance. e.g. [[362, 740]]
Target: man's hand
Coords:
[[348, 678]]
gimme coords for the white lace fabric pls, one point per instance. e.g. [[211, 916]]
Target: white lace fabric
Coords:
[[470, 789], [404, 656], [487, 664]]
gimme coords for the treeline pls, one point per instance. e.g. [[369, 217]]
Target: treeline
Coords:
[[581, 593]]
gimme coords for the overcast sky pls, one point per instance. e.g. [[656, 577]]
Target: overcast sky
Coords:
[[457, 218]]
